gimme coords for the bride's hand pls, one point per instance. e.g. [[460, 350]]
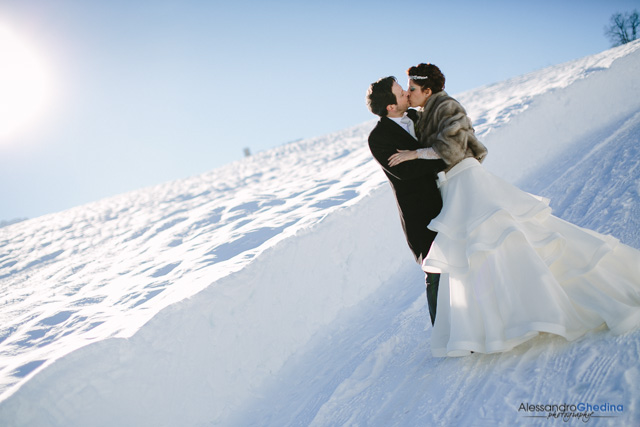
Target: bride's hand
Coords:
[[402, 156]]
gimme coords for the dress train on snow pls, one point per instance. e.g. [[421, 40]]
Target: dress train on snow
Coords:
[[515, 270]]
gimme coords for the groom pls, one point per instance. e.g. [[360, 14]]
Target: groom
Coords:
[[413, 182]]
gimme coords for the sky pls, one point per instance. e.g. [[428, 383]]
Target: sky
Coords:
[[127, 94]]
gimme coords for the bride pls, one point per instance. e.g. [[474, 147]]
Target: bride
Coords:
[[514, 270]]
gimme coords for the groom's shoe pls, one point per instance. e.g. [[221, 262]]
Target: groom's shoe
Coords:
[[433, 281]]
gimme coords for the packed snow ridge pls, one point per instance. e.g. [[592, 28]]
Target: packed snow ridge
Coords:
[[279, 290]]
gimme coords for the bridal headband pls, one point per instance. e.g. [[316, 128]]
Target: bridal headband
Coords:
[[418, 77]]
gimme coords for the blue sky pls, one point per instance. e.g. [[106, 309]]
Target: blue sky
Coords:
[[145, 92]]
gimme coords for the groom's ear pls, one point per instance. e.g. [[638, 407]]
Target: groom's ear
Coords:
[[391, 107]]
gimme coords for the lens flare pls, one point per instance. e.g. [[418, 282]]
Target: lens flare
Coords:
[[24, 84]]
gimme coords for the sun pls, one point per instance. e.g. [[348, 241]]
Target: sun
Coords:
[[24, 84]]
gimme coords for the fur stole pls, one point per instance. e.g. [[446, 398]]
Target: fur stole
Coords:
[[444, 125]]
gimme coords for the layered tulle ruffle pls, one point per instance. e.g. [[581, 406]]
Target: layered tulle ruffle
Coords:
[[511, 269]]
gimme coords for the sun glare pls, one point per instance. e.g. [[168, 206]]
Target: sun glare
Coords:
[[24, 85]]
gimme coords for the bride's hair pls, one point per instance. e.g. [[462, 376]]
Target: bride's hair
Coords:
[[433, 77]]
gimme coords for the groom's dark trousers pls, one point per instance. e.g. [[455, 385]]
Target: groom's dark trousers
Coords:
[[417, 195]]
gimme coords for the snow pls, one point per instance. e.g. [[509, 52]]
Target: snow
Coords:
[[279, 290]]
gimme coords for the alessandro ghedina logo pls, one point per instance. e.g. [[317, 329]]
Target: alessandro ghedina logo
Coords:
[[567, 412]]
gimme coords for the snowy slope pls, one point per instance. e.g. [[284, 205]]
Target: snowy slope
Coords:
[[279, 290]]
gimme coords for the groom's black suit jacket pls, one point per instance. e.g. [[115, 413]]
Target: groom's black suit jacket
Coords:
[[413, 182]]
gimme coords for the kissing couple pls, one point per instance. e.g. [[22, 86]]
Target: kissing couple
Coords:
[[499, 267]]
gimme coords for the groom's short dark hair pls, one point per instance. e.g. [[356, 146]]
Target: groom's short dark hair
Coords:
[[380, 95]]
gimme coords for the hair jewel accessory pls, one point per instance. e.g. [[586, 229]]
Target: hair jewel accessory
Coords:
[[418, 77]]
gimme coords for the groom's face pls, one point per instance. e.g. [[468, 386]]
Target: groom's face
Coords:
[[402, 99]]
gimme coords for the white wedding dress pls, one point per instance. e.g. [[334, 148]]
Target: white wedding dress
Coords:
[[512, 270]]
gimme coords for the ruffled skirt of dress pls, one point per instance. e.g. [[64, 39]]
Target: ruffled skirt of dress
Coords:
[[515, 270]]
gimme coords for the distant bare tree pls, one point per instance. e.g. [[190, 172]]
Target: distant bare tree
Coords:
[[623, 28]]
